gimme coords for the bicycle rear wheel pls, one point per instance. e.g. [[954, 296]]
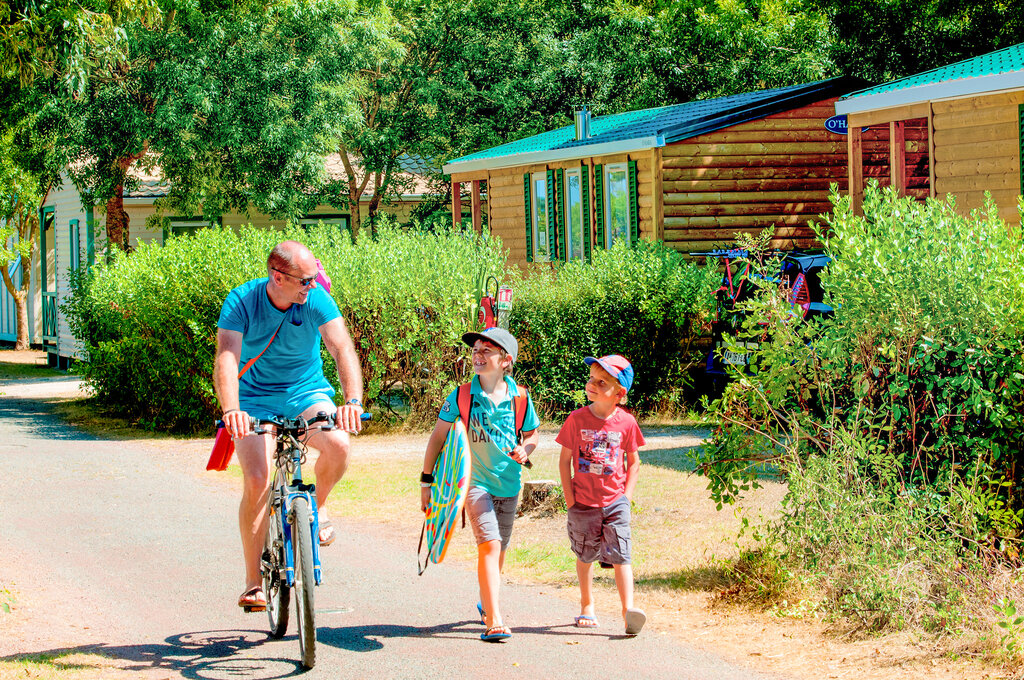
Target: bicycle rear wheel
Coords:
[[272, 565], [302, 545]]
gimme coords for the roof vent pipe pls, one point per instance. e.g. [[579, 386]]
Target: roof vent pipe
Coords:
[[582, 124]]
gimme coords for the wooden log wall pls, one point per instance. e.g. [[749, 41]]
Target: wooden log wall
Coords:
[[506, 213], [977, 149], [775, 171]]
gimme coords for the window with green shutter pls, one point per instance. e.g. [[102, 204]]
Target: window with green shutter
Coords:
[[560, 212], [538, 191], [577, 227], [528, 221], [585, 187], [634, 205], [599, 205], [617, 204]]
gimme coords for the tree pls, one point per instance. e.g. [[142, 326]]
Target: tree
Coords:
[[31, 157], [882, 40], [63, 39], [235, 103]]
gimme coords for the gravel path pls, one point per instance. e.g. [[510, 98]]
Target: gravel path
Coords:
[[129, 549]]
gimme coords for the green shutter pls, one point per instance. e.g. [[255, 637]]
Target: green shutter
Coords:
[[585, 182], [551, 215], [560, 202], [90, 238], [599, 204], [634, 207], [529, 217], [1020, 122], [45, 214]]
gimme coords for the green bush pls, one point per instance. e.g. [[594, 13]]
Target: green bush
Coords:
[[901, 416], [644, 302], [148, 320]]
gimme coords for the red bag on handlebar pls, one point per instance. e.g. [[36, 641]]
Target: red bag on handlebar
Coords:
[[223, 449]]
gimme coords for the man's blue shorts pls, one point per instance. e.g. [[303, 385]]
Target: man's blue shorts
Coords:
[[283, 404]]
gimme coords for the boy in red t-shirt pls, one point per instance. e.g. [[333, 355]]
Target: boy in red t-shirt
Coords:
[[599, 467]]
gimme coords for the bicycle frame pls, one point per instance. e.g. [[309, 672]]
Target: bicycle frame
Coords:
[[288, 459]]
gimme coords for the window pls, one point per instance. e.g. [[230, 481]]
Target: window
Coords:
[[616, 208], [541, 216], [343, 221], [574, 220], [75, 244], [187, 225]]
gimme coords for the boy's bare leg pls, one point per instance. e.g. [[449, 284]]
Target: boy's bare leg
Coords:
[[585, 573], [488, 571], [624, 582]]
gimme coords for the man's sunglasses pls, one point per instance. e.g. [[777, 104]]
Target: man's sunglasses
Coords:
[[303, 282]]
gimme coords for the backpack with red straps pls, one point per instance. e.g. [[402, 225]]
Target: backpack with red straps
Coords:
[[464, 401]]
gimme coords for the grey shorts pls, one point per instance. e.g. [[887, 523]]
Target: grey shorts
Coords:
[[491, 516], [601, 533]]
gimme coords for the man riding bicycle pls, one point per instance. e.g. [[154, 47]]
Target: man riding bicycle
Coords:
[[269, 331]]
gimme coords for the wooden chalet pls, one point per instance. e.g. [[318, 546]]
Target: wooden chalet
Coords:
[[691, 174], [955, 130]]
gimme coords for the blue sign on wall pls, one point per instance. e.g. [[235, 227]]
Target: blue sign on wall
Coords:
[[836, 124]]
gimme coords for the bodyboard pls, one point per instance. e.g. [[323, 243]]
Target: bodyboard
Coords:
[[448, 493]]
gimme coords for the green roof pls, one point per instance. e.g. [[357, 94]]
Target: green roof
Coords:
[[667, 124], [1001, 69]]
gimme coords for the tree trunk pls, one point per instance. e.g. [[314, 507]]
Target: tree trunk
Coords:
[[117, 220], [353, 209], [20, 296]]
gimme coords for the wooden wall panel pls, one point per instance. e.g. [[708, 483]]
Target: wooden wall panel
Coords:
[[977, 149], [773, 172]]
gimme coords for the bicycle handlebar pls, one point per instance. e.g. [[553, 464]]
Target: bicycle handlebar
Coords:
[[295, 426]]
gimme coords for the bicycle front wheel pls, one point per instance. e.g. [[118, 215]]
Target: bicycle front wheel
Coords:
[[272, 566], [302, 545]]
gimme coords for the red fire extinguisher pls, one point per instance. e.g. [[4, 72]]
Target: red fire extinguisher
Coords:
[[487, 315]]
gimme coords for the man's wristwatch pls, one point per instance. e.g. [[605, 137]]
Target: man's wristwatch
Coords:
[[354, 402]]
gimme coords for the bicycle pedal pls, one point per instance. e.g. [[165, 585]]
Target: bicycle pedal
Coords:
[[251, 610]]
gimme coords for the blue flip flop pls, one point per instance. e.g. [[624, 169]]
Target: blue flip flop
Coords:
[[496, 634], [483, 614], [587, 621]]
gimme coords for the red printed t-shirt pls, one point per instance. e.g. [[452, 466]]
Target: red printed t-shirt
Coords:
[[599, 448]]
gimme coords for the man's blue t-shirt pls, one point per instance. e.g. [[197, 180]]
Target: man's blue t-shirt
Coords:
[[492, 434], [292, 364]]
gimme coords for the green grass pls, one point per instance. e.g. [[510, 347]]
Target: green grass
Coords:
[[59, 666], [20, 371]]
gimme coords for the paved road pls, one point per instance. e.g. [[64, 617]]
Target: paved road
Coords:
[[130, 550]]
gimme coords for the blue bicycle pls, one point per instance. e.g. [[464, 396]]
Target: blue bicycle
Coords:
[[291, 557]]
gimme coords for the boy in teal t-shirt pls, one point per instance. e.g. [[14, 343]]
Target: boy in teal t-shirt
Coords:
[[497, 461]]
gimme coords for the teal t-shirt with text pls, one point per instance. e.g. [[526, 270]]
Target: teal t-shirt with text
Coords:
[[492, 434]]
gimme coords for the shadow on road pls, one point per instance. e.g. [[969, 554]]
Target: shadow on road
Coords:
[[209, 655], [368, 638], [35, 418]]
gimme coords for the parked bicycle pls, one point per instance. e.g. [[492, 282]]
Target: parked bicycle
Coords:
[[291, 556], [798, 275]]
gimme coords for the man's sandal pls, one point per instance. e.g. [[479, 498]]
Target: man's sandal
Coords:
[[327, 533], [253, 600]]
